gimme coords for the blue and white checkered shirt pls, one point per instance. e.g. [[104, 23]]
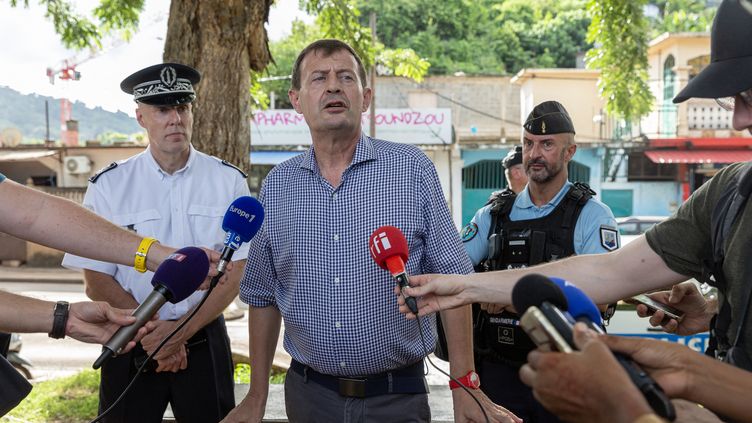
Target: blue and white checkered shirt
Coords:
[[311, 257]]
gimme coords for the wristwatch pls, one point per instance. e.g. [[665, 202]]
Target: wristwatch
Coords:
[[470, 380]]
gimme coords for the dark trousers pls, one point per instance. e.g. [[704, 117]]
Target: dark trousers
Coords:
[[308, 402], [501, 383], [202, 393]]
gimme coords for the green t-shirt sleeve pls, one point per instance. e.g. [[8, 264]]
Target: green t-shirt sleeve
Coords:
[[683, 240], [2, 177]]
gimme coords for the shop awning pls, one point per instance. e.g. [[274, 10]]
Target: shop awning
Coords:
[[698, 156], [24, 156], [272, 157]]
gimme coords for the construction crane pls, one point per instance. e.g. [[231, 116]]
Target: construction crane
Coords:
[[67, 72]]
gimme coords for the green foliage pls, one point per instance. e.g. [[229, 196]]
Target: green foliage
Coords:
[[26, 112], [682, 16], [66, 400], [621, 32], [404, 62], [78, 32], [243, 375], [483, 36]]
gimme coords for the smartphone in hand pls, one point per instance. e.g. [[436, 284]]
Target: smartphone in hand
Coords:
[[654, 305]]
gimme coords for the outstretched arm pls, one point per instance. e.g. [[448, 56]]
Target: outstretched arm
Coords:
[[64, 225], [606, 278]]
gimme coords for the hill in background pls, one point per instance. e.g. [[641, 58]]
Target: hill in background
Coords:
[[26, 112]]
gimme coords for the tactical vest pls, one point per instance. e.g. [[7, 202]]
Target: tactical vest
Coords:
[[522, 243]]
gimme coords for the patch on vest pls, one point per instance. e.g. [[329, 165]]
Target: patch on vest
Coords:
[[469, 232], [609, 238]]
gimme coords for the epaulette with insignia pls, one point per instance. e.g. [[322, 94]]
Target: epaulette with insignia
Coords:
[[226, 163], [96, 176]]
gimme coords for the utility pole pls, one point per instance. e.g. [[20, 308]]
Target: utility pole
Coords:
[[372, 129]]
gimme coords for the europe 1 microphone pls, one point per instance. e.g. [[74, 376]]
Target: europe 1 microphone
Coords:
[[583, 309], [389, 250], [175, 280], [241, 223]]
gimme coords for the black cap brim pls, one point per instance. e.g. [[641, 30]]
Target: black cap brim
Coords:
[[724, 78]]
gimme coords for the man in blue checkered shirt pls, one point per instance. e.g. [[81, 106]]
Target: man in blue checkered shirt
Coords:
[[355, 358]]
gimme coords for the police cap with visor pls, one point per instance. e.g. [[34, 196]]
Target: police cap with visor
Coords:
[[549, 118], [514, 157], [728, 73], [165, 84]]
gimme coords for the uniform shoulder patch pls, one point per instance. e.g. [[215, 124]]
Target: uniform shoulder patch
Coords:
[[609, 238], [104, 170], [469, 232], [226, 163]]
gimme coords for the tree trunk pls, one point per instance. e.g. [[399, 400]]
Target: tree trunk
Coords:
[[224, 40]]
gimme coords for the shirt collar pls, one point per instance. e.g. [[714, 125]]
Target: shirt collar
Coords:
[[153, 163], [525, 202], [364, 151]]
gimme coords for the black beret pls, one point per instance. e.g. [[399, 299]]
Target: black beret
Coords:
[[514, 157], [165, 84], [548, 118]]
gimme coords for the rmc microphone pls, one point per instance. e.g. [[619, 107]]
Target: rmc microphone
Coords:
[[175, 280], [389, 250], [583, 309], [241, 222]]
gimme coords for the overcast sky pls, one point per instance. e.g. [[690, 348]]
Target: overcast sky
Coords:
[[30, 45]]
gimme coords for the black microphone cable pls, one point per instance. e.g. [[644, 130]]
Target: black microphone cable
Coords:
[[464, 388], [213, 284]]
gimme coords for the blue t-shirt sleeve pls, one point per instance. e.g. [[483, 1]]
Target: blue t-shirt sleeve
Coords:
[[596, 231], [475, 234], [2, 177]]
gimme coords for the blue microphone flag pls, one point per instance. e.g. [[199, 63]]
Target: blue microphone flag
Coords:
[[242, 220]]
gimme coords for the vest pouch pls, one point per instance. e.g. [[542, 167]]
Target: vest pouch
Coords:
[[538, 248], [494, 246], [506, 339], [516, 249]]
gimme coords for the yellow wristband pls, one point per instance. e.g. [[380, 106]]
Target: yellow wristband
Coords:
[[140, 260]]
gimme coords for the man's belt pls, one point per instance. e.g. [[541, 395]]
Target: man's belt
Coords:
[[405, 380]]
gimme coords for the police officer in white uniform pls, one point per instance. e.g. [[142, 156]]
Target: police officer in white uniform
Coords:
[[551, 218], [179, 196]]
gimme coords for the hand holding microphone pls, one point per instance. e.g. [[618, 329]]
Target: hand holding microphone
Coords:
[[175, 280], [554, 327], [389, 250]]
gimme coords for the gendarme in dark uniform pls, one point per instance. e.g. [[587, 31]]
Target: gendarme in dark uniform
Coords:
[[178, 195], [550, 219]]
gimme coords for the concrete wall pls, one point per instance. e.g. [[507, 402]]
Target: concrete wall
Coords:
[[576, 89], [484, 109]]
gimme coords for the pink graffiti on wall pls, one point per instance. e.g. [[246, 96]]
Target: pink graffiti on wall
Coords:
[[409, 117]]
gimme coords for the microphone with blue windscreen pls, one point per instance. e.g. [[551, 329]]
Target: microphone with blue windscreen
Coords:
[[242, 221], [582, 309], [175, 280]]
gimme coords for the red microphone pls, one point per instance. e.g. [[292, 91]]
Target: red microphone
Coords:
[[389, 250]]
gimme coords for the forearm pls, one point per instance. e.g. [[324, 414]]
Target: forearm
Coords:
[[103, 287], [263, 331], [62, 224], [720, 387], [222, 295], [606, 278], [24, 314], [459, 334]]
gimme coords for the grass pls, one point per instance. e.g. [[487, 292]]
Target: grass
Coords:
[[70, 399], [75, 399]]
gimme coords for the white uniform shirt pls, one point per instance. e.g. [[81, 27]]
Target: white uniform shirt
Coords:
[[182, 209]]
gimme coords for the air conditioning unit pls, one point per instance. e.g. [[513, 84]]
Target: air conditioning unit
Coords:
[[76, 165]]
